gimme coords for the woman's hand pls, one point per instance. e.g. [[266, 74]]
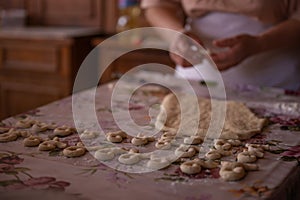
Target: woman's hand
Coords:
[[185, 45], [238, 48]]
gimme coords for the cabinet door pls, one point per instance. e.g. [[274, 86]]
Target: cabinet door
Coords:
[[17, 97], [102, 14]]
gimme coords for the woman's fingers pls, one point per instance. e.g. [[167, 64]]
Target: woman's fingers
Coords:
[[227, 42]]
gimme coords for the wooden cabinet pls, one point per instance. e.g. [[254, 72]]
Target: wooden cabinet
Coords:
[[38, 65], [102, 14]]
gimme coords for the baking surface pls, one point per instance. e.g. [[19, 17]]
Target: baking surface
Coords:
[[27, 172]]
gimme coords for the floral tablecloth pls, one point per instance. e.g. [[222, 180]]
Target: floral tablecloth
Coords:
[[26, 173]]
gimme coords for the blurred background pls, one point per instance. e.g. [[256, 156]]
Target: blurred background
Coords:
[[43, 43]]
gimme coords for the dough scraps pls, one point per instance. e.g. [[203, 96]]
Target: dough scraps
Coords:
[[240, 122]]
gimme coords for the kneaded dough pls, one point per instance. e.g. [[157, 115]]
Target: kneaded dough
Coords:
[[240, 122]]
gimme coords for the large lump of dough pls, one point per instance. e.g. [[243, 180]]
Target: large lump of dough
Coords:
[[240, 122]]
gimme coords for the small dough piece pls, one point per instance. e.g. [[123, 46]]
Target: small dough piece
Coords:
[[234, 143], [213, 155], [61, 145], [64, 131], [89, 134], [257, 150], [9, 136], [138, 141], [116, 137], [163, 145], [141, 140], [186, 151], [258, 147], [246, 157], [168, 135], [4, 130], [190, 167], [104, 154], [74, 151], [108, 153], [25, 123], [232, 171], [22, 133], [208, 164], [129, 158], [193, 140], [157, 163], [47, 145], [32, 141], [221, 144], [40, 127]]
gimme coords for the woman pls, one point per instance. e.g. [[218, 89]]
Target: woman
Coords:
[[251, 41]]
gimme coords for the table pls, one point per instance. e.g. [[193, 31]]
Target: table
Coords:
[[31, 174]]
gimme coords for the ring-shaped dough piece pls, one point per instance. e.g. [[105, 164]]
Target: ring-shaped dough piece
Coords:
[[47, 145], [104, 154], [171, 140], [258, 150], [32, 141], [246, 157], [4, 130], [184, 151], [168, 135], [224, 153], [221, 144], [25, 123], [22, 133], [118, 151], [8, 136], [89, 134], [63, 131], [234, 143], [193, 140], [138, 141], [258, 154], [163, 145], [232, 171], [74, 151], [158, 163], [190, 167], [208, 164], [258, 146], [61, 145], [129, 158], [39, 127], [116, 137], [213, 155]]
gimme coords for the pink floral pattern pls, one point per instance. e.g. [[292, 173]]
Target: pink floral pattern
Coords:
[[291, 154], [8, 162]]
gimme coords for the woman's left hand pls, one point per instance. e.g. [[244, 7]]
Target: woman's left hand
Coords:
[[238, 48]]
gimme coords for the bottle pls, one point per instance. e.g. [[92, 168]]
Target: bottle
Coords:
[[129, 14]]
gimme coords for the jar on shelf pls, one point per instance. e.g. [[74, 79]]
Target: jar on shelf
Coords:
[[129, 14]]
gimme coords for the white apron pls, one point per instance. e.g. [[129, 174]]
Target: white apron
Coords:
[[273, 68]]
